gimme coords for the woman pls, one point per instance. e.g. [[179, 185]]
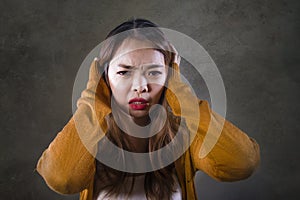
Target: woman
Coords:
[[140, 67]]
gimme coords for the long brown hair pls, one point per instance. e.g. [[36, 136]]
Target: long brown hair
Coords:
[[159, 184]]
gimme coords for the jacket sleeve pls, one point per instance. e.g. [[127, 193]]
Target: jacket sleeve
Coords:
[[234, 155], [68, 164], [218, 148]]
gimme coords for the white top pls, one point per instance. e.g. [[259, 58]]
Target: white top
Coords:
[[138, 192]]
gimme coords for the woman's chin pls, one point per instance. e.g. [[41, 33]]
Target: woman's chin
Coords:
[[139, 113]]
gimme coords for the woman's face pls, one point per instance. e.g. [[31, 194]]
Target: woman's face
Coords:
[[137, 77]]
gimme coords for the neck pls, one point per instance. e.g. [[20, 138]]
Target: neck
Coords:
[[140, 145]]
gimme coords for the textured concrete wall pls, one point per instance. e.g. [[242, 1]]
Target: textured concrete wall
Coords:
[[255, 44]]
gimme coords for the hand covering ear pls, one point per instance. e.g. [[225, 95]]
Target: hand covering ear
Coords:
[[96, 98], [216, 146], [181, 99]]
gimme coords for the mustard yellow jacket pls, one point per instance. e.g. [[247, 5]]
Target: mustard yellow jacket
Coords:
[[68, 167]]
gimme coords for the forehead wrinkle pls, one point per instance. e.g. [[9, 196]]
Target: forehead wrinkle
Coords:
[[139, 61], [130, 45]]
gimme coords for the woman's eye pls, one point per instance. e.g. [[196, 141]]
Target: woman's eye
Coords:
[[123, 73], [154, 73]]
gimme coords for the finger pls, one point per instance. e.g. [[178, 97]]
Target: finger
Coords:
[[177, 58]]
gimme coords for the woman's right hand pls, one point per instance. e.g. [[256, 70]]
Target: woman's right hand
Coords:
[[97, 94], [93, 106]]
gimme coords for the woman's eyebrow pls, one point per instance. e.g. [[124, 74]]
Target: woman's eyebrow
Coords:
[[125, 66], [151, 66], [147, 66]]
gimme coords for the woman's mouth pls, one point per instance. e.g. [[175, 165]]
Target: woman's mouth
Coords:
[[138, 104]]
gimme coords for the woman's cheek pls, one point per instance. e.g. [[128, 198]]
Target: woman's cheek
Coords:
[[124, 84], [156, 91], [121, 89], [119, 83]]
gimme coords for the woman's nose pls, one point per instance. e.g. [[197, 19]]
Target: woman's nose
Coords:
[[140, 84]]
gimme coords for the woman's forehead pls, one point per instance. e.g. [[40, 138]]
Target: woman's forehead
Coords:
[[131, 44], [135, 52]]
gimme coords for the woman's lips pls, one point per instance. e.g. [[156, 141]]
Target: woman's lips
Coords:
[[138, 103]]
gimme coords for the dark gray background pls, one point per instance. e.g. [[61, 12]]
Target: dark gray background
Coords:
[[255, 44]]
